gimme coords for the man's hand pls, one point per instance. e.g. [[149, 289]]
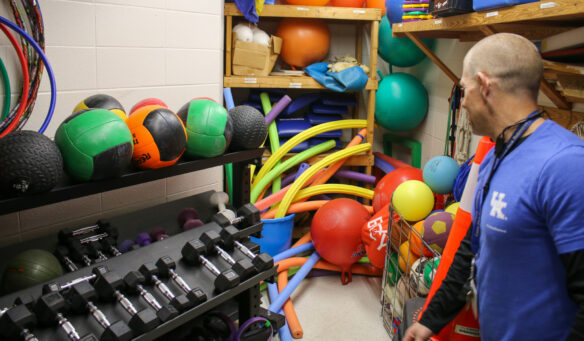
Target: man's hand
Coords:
[[417, 332]]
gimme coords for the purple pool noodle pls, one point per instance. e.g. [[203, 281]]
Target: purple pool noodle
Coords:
[[420, 9], [321, 197], [303, 166], [348, 174], [383, 165], [285, 330], [228, 96], [277, 108], [293, 251], [288, 179], [298, 277]]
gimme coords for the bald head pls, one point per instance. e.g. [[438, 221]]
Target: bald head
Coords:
[[511, 60]]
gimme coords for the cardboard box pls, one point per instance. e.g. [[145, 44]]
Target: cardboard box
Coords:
[[252, 59]]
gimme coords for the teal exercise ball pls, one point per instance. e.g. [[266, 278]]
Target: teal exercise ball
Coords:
[[401, 102], [399, 51], [439, 174]]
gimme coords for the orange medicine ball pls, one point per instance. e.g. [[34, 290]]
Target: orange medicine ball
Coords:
[[304, 41], [159, 137]]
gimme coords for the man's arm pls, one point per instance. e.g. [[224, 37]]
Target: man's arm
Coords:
[[574, 264], [450, 298]]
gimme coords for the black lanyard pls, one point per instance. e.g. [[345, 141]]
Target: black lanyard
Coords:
[[501, 150]]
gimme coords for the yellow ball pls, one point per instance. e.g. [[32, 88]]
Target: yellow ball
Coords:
[[413, 200], [452, 208]]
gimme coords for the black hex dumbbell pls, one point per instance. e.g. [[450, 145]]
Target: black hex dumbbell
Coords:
[[134, 281], [244, 267], [193, 253], [262, 261], [108, 286], [100, 226], [79, 252], [109, 244], [16, 324], [81, 297], [62, 254], [166, 266], [56, 287], [150, 272], [248, 215], [49, 311]]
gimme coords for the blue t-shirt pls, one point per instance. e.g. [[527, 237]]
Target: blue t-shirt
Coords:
[[533, 212]]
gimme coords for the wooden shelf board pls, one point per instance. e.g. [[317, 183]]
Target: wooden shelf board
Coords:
[[291, 11], [281, 82], [559, 14]]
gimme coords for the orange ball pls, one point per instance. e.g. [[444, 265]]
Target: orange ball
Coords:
[[304, 41], [159, 137], [376, 4], [417, 247], [406, 257], [348, 3]]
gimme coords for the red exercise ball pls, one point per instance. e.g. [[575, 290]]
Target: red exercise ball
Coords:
[[146, 102], [348, 3], [304, 41], [336, 233], [385, 187]]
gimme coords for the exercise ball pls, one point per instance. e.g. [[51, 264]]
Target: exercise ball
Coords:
[[146, 102], [159, 136], [336, 233], [401, 102], [385, 187], [249, 128], [30, 163], [399, 51], [440, 173], [430, 271], [419, 248], [437, 229], [96, 144], [392, 270], [348, 3], [304, 41], [394, 10], [453, 208], [406, 257], [29, 268], [413, 200], [209, 128], [417, 276], [102, 101], [376, 4]]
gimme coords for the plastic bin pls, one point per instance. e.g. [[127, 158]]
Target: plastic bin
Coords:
[[276, 235]]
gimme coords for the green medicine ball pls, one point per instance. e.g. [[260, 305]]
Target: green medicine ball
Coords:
[[209, 128], [96, 144], [29, 268]]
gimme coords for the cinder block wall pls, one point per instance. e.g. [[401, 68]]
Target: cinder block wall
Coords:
[[130, 49]]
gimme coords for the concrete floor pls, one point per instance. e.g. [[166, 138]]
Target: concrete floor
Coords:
[[328, 310]]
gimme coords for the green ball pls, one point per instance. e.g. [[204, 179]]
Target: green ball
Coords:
[[209, 128], [96, 144], [392, 269], [399, 51], [29, 268], [430, 271], [401, 102]]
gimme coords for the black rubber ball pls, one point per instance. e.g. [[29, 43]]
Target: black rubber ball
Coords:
[[29, 163], [249, 128]]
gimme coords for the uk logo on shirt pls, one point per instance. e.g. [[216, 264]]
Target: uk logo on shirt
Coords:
[[497, 205]]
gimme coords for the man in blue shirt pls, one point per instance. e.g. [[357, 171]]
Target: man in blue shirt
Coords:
[[527, 236]]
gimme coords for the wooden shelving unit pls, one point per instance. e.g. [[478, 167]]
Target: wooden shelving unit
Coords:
[[359, 16], [534, 21]]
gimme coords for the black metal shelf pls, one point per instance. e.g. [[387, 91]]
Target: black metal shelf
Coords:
[[77, 190]]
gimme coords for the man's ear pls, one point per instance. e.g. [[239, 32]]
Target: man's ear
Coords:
[[485, 84]]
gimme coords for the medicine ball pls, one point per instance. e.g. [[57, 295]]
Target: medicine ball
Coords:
[[29, 268], [209, 128], [159, 137], [29, 163], [249, 128], [96, 144], [145, 102], [102, 101]]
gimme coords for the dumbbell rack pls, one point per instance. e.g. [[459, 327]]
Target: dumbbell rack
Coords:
[[246, 294]]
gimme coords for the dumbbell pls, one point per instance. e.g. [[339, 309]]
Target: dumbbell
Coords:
[[248, 214], [244, 267], [166, 266], [49, 311], [220, 199], [101, 225], [108, 286], [94, 247], [16, 323], [56, 287], [193, 253], [79, 252], [158, 234], [62, 254], [134, 281], [81, 296], [128, 245], [150, 272], [262, 261], [188, 219], [109, 244]]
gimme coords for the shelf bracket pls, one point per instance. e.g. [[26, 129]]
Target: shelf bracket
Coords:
[[433, 57]]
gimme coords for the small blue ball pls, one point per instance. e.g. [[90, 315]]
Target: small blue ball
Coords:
[[439, 174]]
